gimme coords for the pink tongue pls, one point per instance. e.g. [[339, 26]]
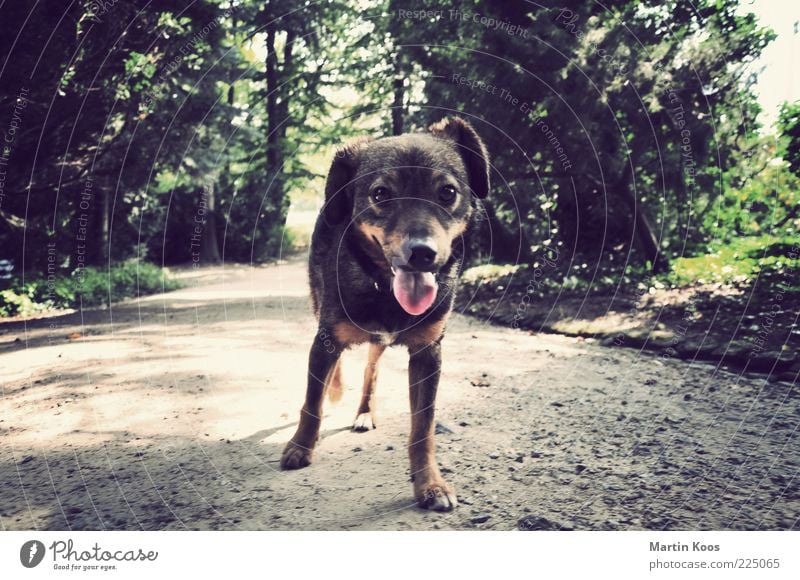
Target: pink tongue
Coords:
[[415, 291]]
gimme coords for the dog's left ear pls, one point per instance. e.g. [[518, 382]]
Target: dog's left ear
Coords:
[[473, 151]]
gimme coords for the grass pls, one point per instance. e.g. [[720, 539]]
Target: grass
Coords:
[[738, 261], [84, 288], [489, 271]]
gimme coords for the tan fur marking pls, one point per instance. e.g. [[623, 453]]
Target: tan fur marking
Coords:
[[347, 333], [369, 231], [456, 231], [425, 334], [334, 386], [370, 378]]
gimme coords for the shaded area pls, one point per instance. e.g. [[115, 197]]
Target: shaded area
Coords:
[[752, 327]]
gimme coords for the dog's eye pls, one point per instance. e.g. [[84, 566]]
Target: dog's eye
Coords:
[[380, 194], [448, 193]]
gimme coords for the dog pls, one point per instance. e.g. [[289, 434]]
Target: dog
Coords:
[[385, 257]]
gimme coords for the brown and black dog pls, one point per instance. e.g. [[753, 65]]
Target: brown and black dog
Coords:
[[385, 258]]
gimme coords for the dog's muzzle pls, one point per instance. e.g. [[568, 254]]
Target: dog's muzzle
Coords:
[[414, 282]]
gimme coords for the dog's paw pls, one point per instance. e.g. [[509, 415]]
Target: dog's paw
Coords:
[[295, 456], [364, 422], [436, 495]]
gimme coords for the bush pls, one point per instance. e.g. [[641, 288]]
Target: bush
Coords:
[[84, 288]]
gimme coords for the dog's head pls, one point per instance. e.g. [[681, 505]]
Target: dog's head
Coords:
[[410, 198]]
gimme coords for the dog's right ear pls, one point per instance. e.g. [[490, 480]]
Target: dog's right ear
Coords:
[[338, 197]]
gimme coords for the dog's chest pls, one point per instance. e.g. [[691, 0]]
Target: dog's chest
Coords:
[[385, 338]]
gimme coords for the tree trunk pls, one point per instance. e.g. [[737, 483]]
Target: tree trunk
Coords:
[[641, 230], [273, 218], [286, 70], [272, 101], [98, 254], [399, 95], [209, 248]]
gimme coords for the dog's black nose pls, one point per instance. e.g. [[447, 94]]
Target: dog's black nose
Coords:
[[423, 254]]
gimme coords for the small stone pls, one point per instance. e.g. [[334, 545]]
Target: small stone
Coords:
[[442, 429], [539, 523], [357, 449], [480, 519], [390, 448], [494, 455], [480, 383]]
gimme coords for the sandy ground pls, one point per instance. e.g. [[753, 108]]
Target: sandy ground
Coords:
[[170, 412]]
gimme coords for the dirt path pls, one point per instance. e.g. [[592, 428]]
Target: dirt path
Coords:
[[170, 412]]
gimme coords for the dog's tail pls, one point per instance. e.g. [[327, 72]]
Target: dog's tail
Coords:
[[335, 389]]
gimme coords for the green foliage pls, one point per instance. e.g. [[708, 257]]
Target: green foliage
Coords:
[[489, 272], [225, 112], [13, 303], [296, 237], [580, 102], [740, 261], [764, 264], [767, 203], [789, 127], [84, 288]]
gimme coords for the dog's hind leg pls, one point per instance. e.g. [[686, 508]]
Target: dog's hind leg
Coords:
[[334, 385], [321, 365], [365, 420]]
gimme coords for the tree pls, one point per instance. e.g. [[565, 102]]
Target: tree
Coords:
[[609, 125], [114, 102], [616, 127]]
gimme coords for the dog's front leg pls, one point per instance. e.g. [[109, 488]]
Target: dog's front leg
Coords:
[[430, 489], [321, 363]]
